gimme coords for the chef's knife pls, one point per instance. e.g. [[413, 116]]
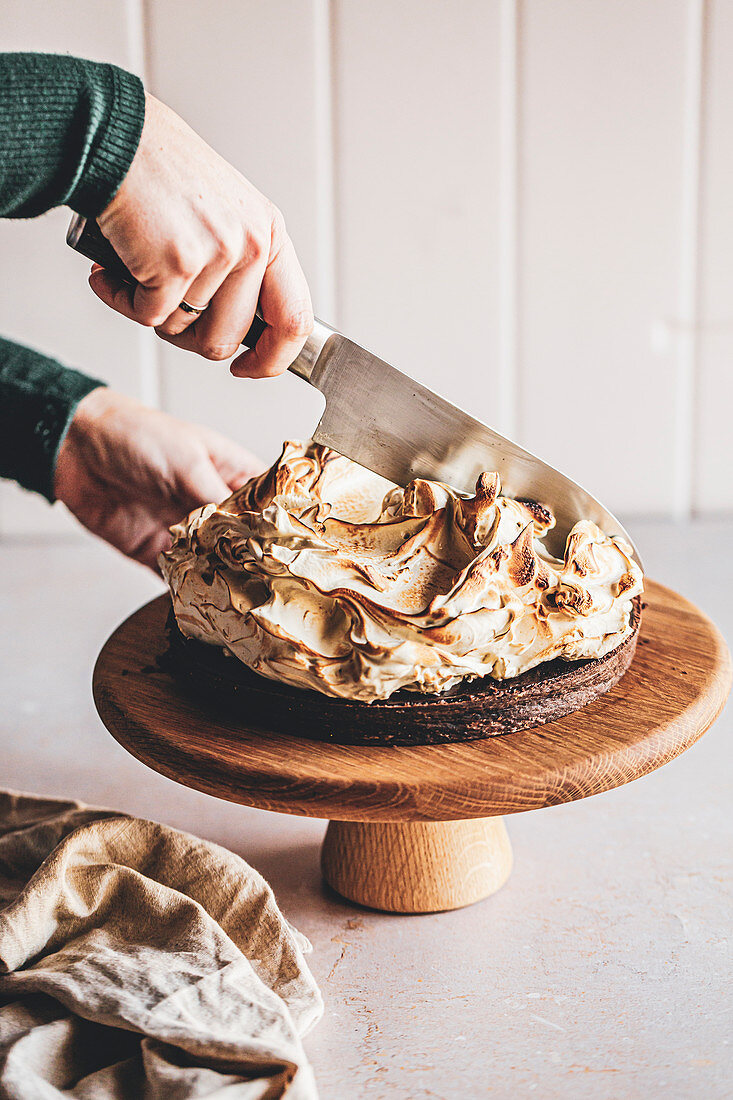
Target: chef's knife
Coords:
[[389, 423]]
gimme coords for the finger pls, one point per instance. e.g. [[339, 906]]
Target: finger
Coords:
[[218, 333], [181, 319], [286, 307], [149, 549], [124, 297], [136, 533], [113, 292], [155, 301], [201, 483], [235, 464], [199, 293]]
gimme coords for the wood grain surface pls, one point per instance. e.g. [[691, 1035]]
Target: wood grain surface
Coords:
[[674, 690], [416, 866]]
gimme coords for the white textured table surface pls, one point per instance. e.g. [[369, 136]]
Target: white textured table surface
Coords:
[[602, 969]]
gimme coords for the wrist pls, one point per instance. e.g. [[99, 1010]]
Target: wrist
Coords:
[[118, 116], [147, 150], [91, 409], [78, 443]]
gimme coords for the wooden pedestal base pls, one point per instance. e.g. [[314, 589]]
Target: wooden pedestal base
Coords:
[[416, 866], [423, 831]]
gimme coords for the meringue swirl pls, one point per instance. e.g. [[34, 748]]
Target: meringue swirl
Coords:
[[324, 575]]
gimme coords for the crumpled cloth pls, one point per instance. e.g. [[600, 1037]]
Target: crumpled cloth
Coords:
[[142, 963]]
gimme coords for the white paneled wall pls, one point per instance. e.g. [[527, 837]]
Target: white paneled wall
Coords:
[[417, 181], [253, 91], [524, 203], [44, 300], [713, 394], [602, 98]]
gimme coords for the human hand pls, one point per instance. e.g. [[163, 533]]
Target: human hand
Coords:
[[128, 472], [189, 226]]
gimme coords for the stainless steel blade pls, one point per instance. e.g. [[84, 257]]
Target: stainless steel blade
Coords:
[[389, 423]]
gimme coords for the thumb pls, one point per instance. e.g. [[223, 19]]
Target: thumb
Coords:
[[112, 291]]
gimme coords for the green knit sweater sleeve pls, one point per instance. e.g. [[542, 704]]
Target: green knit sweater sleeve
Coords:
[[69, 129], [38, 399]]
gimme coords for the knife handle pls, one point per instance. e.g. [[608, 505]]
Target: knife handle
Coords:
[[85, 236]]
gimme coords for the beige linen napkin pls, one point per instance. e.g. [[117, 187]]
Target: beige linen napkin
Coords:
[[137, 961]]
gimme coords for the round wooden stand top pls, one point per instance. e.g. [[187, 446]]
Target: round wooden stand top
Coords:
[[676, 687]]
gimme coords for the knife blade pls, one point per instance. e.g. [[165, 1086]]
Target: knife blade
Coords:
[[393, 425], [396, 427]]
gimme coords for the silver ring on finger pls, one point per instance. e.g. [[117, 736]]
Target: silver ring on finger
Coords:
[[188, 307]]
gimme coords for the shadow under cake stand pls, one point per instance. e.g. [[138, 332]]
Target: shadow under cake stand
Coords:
[[419, 829]]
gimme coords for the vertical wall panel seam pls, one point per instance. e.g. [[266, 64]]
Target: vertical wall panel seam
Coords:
[[150, 361], [326, 276], [509, 413], [687, 345], [339, 267], [701, 318]]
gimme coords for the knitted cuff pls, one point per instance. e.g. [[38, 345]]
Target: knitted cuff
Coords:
[[114, 139], [38, 399]]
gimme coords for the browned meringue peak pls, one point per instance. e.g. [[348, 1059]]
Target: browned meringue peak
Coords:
[[324, 575]]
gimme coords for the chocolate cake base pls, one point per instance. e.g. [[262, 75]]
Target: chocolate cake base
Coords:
[[483, 708]]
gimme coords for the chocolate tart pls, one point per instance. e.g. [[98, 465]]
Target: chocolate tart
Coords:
[[482, 708]]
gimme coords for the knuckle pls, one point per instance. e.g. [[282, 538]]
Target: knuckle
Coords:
[[217, 352], [298, 323], [179, 338], [257, 247], [278, 232], [141, 273], [273, 370], [226, 251], [171, 328], [257, 369], [151, 316], [182, 262]]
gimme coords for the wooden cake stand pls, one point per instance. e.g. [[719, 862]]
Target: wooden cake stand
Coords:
[[419, 829]]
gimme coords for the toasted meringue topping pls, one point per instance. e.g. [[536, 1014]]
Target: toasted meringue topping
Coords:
[[323, 575]]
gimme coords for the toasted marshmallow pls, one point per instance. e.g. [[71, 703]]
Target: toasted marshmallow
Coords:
[[324, 575]]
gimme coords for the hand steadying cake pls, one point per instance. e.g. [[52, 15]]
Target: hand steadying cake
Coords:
[[194, 233], [128, 472]]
